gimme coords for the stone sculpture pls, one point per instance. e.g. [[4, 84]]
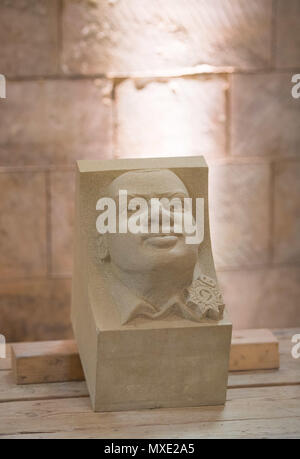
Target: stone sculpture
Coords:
[[147, 313]]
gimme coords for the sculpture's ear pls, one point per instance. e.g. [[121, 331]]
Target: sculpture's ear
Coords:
[[102, 248]]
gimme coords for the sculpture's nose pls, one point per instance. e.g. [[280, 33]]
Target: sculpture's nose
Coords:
[[160, 218]]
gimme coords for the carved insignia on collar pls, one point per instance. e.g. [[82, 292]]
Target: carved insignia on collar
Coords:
[[204, 297]]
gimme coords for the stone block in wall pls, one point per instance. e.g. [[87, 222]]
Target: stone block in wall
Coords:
[[29, 37], [262, 298], [240, 214], [286, 244], [62, 216], [35, 309], [139, 35], [23, 232], [176, 117], [287, 33], [55, 122], [264, 115]]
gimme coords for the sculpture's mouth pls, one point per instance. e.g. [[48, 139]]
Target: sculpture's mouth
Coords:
[[162, 240]]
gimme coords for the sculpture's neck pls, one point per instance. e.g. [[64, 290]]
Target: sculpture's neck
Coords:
[[157, 286]]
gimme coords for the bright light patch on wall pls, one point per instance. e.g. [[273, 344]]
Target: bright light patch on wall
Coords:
[[161, 117]]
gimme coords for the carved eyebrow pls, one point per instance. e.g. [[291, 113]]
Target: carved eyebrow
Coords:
[[177, 194], [172, 194]]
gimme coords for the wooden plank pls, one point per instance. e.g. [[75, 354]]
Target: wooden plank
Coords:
[[287, 374], [58, 361], [262, 412], [10, 392], [46, 361], [285, 333], [248, 429], [253, 350]]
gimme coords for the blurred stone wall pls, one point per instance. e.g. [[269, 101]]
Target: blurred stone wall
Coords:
[[119, 78]]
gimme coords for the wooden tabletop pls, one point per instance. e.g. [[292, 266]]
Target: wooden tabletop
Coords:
[[261, 404]]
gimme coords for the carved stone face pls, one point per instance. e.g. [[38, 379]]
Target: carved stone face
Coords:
[[156, 275], [142, 253]]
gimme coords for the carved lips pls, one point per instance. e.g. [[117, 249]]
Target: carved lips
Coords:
[[162, 241]]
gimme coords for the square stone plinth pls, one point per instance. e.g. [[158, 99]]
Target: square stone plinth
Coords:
[[155, 366]]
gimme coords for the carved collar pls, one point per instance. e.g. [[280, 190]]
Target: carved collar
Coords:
[[201, 301]]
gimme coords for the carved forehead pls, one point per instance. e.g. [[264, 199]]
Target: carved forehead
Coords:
[[156, 181]]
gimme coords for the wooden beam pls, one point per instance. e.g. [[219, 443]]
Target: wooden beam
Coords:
[[58, 361], [46, 361], [253, 350]]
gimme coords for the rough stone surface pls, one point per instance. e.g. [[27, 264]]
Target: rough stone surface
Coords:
[[55, 122], [240, 214], [171, 118], [22, 225], [287, 33], [35, 310], [62, 215], [262, 298], [138, 35], [265, 116], [287, 212], [29, 37]]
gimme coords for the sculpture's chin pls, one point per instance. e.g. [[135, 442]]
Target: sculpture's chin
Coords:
[[177, 259]]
